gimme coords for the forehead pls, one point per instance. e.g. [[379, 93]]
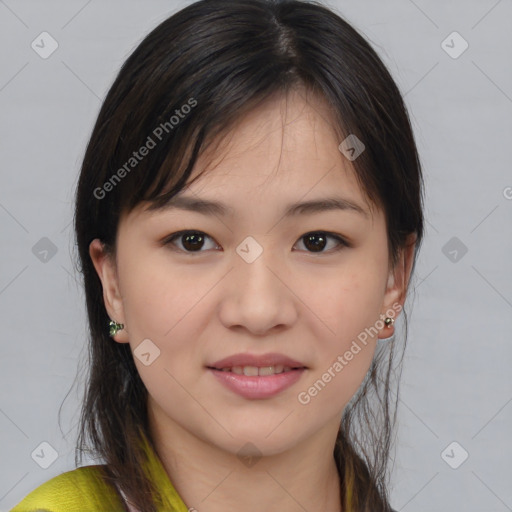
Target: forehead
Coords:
[[288, 146]]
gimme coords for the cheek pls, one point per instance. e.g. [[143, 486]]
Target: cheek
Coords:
[[163, 306], [345, 343], [170, 306], [347, 301], [158, 297]]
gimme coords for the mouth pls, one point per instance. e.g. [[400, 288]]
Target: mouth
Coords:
[[257, 371], [257, 377], [252, 365]]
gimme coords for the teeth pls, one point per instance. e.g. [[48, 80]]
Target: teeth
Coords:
[[250, 371], [253, 371]]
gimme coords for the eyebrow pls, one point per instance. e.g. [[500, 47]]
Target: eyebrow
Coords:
[[210, 207]]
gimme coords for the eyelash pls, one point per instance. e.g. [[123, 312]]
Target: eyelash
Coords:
[[169, 240]]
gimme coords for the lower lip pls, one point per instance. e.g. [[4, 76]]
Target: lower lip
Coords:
[[258, 387]]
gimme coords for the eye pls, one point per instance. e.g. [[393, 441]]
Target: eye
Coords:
[[316, 241], [190, 241]]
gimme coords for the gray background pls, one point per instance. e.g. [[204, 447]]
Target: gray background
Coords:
[[457, 384]]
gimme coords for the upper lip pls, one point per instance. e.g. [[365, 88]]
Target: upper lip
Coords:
[[260, 361]]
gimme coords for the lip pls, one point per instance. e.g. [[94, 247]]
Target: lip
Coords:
[[272, 359], [260, 386]]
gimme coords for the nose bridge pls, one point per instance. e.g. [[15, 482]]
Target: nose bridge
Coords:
[[254, 274]]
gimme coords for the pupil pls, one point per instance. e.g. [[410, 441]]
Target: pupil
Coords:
[[316, 247], [189, 239]]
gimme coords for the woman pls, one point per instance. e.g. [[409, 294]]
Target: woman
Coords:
[[248, 216]]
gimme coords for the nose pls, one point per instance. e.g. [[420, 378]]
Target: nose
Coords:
[[258, 297]]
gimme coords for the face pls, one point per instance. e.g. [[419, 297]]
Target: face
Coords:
[[247, 319]]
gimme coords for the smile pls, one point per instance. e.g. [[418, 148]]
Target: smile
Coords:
[[253, 371]]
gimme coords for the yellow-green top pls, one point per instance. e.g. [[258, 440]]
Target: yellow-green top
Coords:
[[83, 489]]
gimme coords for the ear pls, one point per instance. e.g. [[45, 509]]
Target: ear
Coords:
[[106, 269], [398, 282]]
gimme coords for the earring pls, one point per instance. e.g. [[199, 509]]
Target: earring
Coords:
[[114, 328], [389, 321]]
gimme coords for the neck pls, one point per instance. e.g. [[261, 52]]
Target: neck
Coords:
[[209, 479]]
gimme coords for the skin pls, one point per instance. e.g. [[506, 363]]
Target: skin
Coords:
[[198, 308]]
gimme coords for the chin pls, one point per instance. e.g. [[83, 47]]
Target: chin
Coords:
[[255, 441]]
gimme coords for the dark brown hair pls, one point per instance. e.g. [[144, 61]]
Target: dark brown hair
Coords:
[[221, 59]]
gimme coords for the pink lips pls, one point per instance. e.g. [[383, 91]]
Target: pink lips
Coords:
[[260, 361], [257, 386]]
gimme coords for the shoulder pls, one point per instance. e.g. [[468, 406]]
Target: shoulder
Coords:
[[80, 489]]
